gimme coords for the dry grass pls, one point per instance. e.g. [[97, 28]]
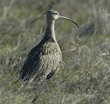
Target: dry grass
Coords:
[[85, 75]]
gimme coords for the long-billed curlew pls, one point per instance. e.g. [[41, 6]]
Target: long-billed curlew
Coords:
[[44, 59]]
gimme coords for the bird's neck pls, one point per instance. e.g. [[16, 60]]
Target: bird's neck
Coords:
[[50, 32]]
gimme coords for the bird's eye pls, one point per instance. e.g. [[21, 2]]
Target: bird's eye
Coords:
[[55, 13]]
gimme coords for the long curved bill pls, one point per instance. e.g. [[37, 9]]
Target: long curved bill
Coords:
[[69, 20]]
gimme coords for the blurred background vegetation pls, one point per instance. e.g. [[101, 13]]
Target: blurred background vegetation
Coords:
[[85, 74]]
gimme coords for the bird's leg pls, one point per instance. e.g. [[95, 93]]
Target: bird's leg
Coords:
[[50, 75]]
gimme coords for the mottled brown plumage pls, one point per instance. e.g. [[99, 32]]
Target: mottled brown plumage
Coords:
[[44, 59]]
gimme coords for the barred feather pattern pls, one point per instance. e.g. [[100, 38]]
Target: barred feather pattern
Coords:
[[43, 62]]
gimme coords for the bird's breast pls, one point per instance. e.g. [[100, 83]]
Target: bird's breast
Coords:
[[50, 48], [50, 56]]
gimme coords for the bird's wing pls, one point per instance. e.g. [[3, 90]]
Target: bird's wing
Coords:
[[29, 67]]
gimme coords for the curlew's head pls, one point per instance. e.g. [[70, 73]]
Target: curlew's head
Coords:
[[54, 15]]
